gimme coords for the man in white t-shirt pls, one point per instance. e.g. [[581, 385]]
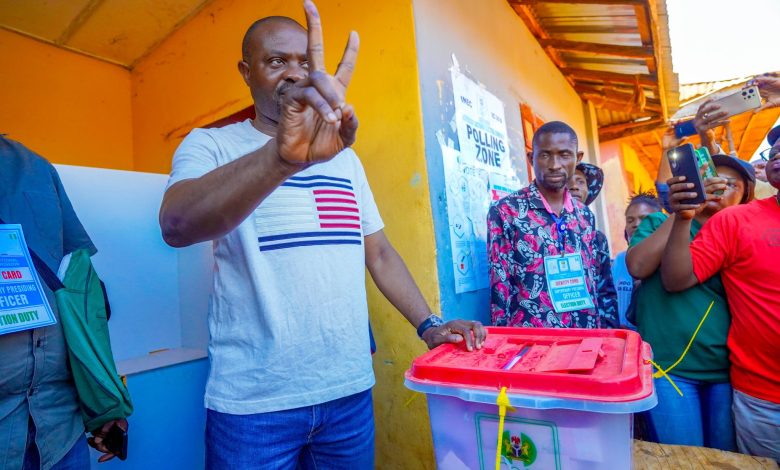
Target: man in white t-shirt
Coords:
[[294, 225]]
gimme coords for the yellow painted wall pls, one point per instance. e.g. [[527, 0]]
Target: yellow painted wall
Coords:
[[191, 79], [639, 179], [67, 107]]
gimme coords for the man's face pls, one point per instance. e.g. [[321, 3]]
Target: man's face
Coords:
[[760, 168], [735, 189], [773, 166], [578, 186], [554, 158], [635, 214], [276, 60]]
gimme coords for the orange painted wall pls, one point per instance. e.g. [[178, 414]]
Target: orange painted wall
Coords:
[[191, 79], [67, 107]]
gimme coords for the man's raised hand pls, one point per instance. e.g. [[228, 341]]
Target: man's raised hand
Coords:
[[315, 122], [769, 88]]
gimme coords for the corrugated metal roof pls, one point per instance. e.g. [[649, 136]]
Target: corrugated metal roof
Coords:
[[617, 56], [748, 129]]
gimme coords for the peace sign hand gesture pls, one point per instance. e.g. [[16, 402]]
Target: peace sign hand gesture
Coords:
[[315, 122]]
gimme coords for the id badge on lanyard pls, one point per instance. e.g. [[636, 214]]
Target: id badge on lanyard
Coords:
[[566, 282], [23, 303]]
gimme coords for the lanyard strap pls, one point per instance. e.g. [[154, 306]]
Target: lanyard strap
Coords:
[[560, 228], [46, 274], [558, 220]]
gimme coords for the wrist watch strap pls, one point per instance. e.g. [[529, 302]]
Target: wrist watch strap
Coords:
[[432, 321]]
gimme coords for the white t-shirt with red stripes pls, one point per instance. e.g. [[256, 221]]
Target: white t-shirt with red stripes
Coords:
[[288, 320]]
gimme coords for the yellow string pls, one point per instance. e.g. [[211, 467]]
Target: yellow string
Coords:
[[503, 403], [663, 372]]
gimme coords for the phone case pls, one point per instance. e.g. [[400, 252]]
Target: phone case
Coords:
[[684, 129], [683, 162], [744, 100], [115, 441]]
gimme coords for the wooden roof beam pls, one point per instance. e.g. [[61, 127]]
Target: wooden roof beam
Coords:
[[644, 23], [600, 101], [527, 15], [618, 101], [83, 16], [618, 87], [610, 77], [591, 29], [612, 93], [638, 144], [658, 139], [627, 125], [590, 2], [632, 52], [625, 129]]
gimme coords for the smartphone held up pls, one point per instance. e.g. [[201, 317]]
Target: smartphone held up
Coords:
[[744, 100], [684, 162]]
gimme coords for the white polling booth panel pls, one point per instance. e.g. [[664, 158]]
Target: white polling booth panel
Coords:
[[159, 301], [159, 295]]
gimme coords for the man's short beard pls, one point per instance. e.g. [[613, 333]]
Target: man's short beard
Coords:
[[552, 187]]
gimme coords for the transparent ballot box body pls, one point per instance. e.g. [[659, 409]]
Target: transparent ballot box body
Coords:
[[572, 391]]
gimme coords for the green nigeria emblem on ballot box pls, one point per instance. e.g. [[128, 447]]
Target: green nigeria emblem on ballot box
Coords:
[[515, 447], [526, 444]]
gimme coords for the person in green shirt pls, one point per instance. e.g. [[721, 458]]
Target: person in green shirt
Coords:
[[701, 416]]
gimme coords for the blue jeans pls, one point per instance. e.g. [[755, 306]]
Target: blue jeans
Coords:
[[758, 426], [701, 417], [334, 435], [77, 457]]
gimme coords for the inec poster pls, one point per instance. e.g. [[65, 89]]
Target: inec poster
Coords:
[[476, 175]]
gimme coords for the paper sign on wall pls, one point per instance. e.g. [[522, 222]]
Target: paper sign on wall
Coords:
[[479, 116], [476, 175]]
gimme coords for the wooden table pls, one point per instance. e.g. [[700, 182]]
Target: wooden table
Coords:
[[652, 456]]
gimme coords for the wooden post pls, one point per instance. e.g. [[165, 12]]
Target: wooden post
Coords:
[[730, 137]]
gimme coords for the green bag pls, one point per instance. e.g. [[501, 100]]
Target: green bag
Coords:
[[83, 312]]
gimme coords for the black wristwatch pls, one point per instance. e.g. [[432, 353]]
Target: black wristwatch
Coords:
[[431, 322]]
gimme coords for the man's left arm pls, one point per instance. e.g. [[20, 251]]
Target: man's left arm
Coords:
[[396, 283]]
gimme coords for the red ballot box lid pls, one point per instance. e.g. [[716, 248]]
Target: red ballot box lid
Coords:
[[573, 363]]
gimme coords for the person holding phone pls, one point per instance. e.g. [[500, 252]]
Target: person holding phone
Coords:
[[286, 203], [701, 416], [742, 245]]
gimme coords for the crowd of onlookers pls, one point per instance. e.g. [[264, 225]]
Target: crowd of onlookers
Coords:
[[700, 284]]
